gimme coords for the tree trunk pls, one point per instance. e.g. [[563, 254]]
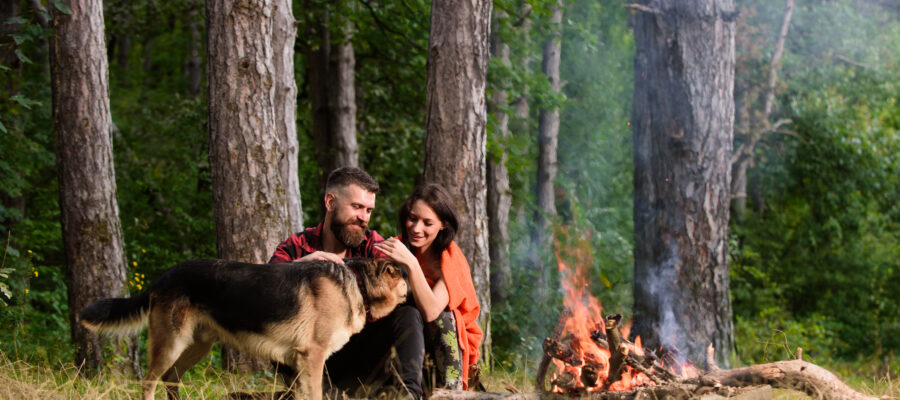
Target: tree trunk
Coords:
[[683, 117], [548, 137], [249, 196], [763, 125], [455, 125], [499, 197], [332, 91], [194, 64], [89, 211], [283, 37]]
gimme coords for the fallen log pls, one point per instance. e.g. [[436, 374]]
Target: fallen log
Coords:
[[799, 375]]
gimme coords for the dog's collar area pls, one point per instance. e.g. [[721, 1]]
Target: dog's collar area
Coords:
[[364, 292]]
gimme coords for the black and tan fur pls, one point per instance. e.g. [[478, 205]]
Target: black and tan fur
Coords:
[[295, 314]]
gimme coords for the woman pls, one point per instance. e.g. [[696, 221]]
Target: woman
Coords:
[[440, 281]]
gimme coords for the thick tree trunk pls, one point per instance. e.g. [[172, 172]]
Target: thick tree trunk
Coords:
[[499, 198], [283, 38], [548, 137], [249, 196], [332, 91], [455, 124], [763, 126], [91, 231], [682, 125]]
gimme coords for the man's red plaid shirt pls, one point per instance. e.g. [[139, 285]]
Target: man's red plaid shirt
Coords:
[[310, 241]]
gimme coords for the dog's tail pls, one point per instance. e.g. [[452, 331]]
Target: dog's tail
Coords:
[[119, 317]]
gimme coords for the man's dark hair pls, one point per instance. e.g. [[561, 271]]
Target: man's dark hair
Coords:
[[436, 197], [346, 176]]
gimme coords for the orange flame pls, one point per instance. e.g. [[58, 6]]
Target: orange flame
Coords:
[[585, 317]]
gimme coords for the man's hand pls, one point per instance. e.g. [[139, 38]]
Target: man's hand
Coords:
[[321, 256]]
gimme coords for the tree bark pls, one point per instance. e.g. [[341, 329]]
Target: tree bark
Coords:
[[332, 90], [763, 126], [455, 125], [283, 38], [548, 137], [89, 211], [250, 205], [683, 115], [499, 197]]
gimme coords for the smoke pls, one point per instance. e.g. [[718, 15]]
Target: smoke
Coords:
[[663, 286]]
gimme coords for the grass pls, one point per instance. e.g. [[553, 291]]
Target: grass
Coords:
[[23, 380]]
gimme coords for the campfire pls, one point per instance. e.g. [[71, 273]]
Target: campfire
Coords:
[[591, 353], [590, 356], [605, 360]]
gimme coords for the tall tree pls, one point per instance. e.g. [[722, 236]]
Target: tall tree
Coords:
[[193, 66], [455, 125], [758, 127], [284, 34], [250, 204], [682, 118], [89, 211], [548, 138], [499, 197], [331, 64]]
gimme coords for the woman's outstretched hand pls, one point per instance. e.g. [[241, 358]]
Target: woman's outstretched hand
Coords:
[[397, 251]]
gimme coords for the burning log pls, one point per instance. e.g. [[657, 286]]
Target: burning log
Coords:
[[556, 349], [590, 374], [545, 360], [618, 350]]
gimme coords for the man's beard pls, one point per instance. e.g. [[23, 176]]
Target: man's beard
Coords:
[[348, 236]]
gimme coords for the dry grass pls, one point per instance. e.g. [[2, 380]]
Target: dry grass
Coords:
[[20, 380]]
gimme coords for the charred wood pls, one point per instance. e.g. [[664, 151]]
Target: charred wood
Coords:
[[562, 352], [617, 349]]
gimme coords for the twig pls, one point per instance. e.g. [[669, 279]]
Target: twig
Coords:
[[641, 7]]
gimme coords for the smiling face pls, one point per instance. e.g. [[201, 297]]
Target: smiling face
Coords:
[[422, 226], [350, 208]]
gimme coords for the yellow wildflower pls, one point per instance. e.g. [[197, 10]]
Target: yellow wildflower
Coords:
[[143, 250], [134, 263], [35, 274], [139, 287], [29, 251], [26, 291]]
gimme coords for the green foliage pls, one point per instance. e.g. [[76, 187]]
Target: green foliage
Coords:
[[823, 252]]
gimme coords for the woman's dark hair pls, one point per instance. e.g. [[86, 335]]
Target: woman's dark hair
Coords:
[[436, 197]]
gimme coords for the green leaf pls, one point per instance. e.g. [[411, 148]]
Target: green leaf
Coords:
[[24, 101], [3, 128], [22, 57], [5, 290], [16, 20], [61, 7], [19, 38]]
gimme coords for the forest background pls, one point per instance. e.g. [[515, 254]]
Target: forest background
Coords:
[[814, 258]]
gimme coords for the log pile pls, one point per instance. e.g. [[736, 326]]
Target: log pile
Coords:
[[662, 377]]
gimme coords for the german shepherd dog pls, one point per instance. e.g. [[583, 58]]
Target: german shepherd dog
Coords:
[[296, 314]]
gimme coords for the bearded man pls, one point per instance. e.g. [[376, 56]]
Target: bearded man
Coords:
[[365, 364]]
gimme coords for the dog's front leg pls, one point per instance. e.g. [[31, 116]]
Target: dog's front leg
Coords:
[[310, 362]]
